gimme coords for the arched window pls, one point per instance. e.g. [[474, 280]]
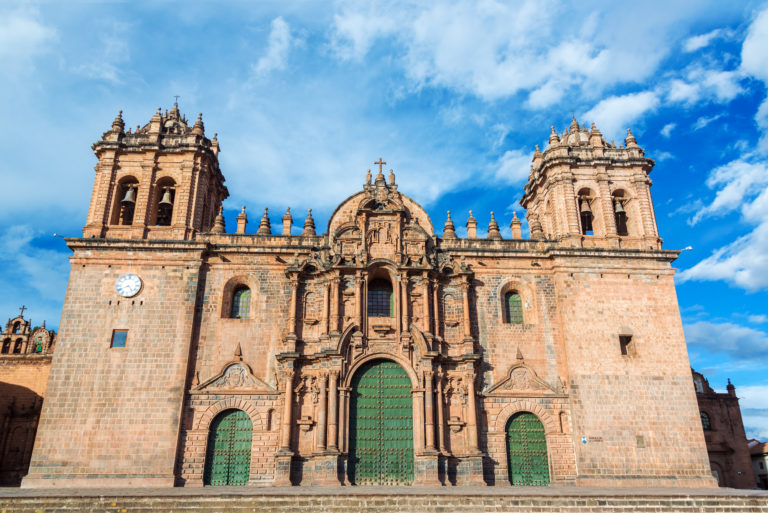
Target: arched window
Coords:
[[6, 346], [17, 347], [705, 422], [241, 302], [619, 213], [513, 305], [165, 198], [16, 327], [380, 298]]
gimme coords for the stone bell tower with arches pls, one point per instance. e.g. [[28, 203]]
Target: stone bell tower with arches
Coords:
[[160, 182], [588, 192]]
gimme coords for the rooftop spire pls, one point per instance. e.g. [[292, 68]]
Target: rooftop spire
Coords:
[[493, 229], [449, 231], [309, 225], [265, 228], [118, 125]]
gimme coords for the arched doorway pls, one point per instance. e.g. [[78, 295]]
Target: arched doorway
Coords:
[[228, 458], [527, 451], [381, 425]]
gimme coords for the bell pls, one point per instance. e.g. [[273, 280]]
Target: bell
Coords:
[[585, 206], [618, 207], [129, 196], [166, 198]]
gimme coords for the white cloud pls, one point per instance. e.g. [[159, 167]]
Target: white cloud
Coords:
[[697, 42], [513, 167], [758, 319], [753, 396], [614, 114], [667, 130], [22, 36], [280, 43], [702, 84], [739, 342], [495, 49], [704, 121], [742, 186], [738, 181], [754, 62], [108, 58]]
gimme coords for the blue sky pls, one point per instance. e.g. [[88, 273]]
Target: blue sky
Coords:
[[453, 95]]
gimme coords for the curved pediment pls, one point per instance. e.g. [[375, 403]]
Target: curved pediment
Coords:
[[521, 381], [235, 377]]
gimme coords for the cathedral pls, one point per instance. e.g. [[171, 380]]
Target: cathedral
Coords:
[[380, 352]]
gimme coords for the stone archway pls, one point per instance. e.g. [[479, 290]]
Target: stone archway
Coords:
[[381, 425], [228, 455]]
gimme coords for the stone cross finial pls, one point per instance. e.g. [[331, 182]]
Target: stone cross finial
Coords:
[[22, 311], [380, 163]]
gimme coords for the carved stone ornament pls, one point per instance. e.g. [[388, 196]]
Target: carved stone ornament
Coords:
[[522, 380], [235, 377]]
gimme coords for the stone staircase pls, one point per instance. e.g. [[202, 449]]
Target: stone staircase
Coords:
[[383, 501]]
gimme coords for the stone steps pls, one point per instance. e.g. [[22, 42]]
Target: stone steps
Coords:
[[358, 503]]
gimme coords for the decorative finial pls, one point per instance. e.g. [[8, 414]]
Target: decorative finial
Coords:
[[449, 231], [630, 141], [391, 177], [265, 228], [516, 226], [218, 222], [176, 100], [238, 352], [519, 355], [553, 137], [493, 229], [368, 177], [309, 225], [471, 226]]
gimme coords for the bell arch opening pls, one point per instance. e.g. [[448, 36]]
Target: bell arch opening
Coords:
[[381, 425]]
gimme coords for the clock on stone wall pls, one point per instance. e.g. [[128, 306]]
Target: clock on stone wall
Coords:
[[128, 285]]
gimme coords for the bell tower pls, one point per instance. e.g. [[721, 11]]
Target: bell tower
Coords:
[[587, 192], [161, 181]]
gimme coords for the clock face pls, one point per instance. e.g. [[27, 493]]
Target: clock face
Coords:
[[128, 285]]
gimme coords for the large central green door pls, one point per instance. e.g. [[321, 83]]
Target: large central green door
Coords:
[[527, 450], [381, 425], [228, 459]]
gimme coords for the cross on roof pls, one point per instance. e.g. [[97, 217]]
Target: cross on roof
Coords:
[[22, 310], [380, 163], [177, 99]]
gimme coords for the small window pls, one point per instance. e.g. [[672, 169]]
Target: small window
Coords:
[[16, 328], [626, 345], [241, 303], [17, 347], [380, 298], [118, 338], [705, 422], [513, 304], [6, 346]]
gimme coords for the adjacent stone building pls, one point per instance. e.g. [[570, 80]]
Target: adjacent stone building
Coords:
[[380, 352], [25, 361], [759, 453], [724, 433]]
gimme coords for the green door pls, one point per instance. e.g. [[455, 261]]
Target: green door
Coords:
[[381, 425], [527, 451], [228, 459]]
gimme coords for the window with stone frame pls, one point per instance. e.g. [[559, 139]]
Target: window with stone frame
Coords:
[[706, 423], [119, 338], [241, 303], [380, 300], [513, 308]]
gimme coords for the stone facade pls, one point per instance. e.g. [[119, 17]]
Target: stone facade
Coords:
[[166, 327], [724, 433], [25, 362]]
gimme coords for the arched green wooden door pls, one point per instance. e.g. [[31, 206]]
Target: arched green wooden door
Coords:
[[228, 458], [381, 425], [527, 451]]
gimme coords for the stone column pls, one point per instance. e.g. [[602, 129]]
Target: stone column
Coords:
[[359, 284], [440, 415], [465, 294], [606, 205], [292, 308], [333, 411], [322, 414], [326, 309], [435, 307], [334, 327], [474, 447], [418, 420], [429, 422], [425, 324], [343, 418], [403, 303], [285, 426]]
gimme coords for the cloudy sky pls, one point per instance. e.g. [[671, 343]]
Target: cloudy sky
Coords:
[[453, 95]]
